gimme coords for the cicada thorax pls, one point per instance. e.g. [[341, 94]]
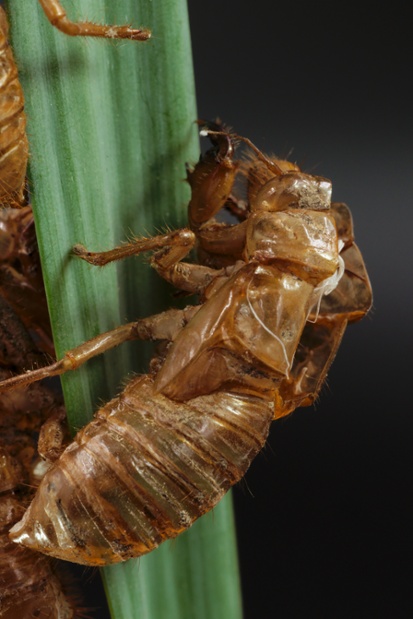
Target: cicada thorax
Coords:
[[245, 335], [13, 140], [154, 466]]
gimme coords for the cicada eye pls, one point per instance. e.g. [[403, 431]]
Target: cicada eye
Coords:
[[294, 190]]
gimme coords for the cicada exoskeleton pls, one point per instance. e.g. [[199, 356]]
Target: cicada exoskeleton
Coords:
[[276, 292]]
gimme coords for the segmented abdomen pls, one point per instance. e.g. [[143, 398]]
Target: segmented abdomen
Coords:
[[13, 140], [142, 472]]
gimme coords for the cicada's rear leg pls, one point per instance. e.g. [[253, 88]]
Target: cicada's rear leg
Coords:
[[56, 14], [163, 326]]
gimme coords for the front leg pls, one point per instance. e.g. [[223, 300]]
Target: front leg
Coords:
[[56, 15], [212, 178], [173, 247], [169, 251]]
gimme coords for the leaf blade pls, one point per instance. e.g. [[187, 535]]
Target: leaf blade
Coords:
[[111, 127]]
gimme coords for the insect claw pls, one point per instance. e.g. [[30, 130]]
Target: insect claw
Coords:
[[79, 250]]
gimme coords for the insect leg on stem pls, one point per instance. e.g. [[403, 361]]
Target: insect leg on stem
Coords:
[[56, 14]]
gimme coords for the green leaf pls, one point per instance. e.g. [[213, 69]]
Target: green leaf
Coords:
[[111, 125]]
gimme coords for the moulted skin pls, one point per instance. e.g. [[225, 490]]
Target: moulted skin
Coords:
[[276, 292]]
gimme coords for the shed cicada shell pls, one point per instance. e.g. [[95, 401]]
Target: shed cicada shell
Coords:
[[276, 290]]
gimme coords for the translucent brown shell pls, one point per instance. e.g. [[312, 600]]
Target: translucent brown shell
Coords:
[[276, 292]]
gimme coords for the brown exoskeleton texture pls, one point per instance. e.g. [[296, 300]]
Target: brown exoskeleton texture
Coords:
[[276, 292]]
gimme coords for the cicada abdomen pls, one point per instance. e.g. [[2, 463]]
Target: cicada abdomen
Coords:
[[153, 466], [14, 149]]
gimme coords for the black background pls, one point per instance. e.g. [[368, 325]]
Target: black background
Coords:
[[325, 514]]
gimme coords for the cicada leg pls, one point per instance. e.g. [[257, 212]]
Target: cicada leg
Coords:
[[163, 326], [211, 183], [169, 250], [56, 14], [318, 347], [54, 435]]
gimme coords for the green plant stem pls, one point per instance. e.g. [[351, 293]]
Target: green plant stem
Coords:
[[111, 125]]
